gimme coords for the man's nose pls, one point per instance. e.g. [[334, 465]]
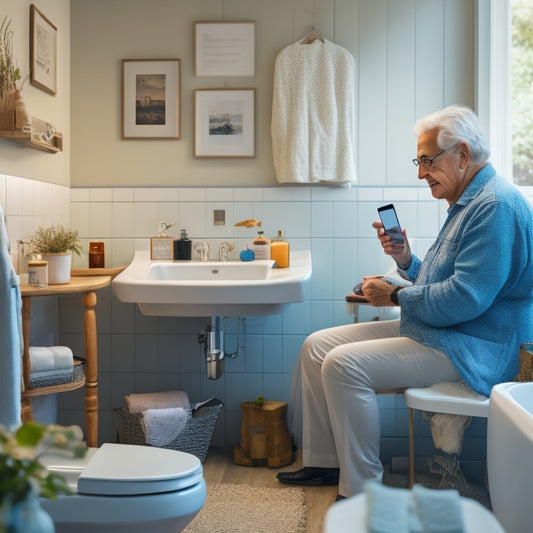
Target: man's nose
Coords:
[[422, 172]]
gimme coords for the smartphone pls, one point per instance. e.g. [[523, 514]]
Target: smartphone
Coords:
[[391, 224]]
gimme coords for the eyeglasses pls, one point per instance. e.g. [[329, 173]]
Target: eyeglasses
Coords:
[[426, 161]]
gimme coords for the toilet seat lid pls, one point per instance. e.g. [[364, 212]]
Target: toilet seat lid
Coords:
[[122, 469]]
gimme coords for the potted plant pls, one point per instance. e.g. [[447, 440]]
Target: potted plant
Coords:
[[56, 244], [23, 479], [9, 72]]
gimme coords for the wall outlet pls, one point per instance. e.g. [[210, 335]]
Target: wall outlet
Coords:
[[219, 217]]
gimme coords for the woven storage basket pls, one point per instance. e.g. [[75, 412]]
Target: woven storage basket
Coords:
[[195, 437]]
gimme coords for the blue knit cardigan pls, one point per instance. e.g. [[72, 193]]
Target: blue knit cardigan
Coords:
[[472, 295]]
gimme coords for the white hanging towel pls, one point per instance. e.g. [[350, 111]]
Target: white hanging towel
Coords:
[[313, 114], [10, 335]]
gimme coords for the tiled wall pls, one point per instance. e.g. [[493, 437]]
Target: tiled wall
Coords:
[[142, 354]]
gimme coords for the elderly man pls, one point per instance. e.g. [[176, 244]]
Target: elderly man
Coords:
[[464, 317]]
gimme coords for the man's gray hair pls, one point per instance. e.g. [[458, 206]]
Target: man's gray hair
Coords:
[[456, 123]]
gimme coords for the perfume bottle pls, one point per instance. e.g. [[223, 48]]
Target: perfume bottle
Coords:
[[182, 247]]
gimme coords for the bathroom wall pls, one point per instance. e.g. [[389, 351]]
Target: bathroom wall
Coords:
[[15, 159], [412, 57]]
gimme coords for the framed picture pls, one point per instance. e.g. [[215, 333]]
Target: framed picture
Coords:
[[151, 98], [43, 52], [224, 120], [224, 48]]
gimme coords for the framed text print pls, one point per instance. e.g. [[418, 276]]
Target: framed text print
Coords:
[[224, 48], [43, 52]]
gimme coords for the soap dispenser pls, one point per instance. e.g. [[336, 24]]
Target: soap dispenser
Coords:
[[261, 246], [182, 247], [279, 250]]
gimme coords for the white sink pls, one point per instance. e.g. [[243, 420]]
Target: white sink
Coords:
[[212, 288]]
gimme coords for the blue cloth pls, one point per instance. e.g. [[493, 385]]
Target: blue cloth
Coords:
[[472, 295], [421, 510], [10, 335], [438, 510]]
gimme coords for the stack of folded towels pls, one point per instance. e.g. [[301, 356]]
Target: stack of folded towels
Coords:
[[420, 510], [50, 365], [165, 415]]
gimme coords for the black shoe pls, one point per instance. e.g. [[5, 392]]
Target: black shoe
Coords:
[[311, 476]]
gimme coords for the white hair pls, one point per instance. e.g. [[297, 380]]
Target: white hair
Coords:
[[456, 123]]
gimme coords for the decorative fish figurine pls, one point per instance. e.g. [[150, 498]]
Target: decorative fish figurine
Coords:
[[249, 223]]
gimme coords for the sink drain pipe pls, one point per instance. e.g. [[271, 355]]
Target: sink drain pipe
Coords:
[[213, 341]]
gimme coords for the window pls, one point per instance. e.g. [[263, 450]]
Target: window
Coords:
[[494, 88], [522, 91]]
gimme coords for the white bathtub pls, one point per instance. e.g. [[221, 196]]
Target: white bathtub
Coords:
[[510, 455]]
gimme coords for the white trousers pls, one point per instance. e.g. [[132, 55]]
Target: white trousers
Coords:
[[336, 378]]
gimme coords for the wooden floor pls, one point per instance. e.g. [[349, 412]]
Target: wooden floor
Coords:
[[219, 468]]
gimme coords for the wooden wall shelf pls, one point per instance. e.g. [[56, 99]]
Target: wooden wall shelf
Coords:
[[29, 139]]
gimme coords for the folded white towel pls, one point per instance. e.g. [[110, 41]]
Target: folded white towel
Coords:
[[41, 358], [63, 357], [50, 358], [162, 426], [156, 400]]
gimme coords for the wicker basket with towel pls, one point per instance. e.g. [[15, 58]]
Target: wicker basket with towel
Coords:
[[169, 420]]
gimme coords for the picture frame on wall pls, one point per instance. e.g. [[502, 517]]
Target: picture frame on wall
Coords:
[[224, 123], [224, 48], [43, 52], [151, 98]]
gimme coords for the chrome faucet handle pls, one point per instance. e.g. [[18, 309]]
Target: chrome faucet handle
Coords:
[[202, 249], [224, 250]]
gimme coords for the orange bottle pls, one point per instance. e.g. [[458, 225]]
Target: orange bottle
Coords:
[[279, 250]]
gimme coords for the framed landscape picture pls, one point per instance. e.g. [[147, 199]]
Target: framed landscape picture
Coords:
[[151, 98], [224, 120]]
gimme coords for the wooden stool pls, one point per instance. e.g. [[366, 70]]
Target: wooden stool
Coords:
[[264, 436]]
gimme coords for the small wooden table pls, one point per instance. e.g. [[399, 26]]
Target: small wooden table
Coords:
[[85, 284]]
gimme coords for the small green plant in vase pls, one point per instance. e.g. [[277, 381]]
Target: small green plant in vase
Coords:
[[56, 244]]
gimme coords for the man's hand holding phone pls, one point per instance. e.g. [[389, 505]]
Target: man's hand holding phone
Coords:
[[393, 239]]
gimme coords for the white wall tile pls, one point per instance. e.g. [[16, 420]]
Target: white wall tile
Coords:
[[124, 194], [101, 195]]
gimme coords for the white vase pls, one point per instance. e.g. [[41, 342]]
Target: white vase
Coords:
[[59, 266]]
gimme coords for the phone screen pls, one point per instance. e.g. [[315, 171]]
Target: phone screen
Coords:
[[390, 222]]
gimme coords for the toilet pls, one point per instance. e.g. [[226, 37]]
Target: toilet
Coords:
[[126, 488], [509, 448]]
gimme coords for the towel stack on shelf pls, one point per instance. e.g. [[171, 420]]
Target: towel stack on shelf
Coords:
[[50, 365]]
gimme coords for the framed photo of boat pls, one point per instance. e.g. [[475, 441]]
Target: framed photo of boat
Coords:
[[151, 98], [224, 122]]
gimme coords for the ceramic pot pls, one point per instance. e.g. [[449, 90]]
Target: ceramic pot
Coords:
[[28, 517], [59, 266]]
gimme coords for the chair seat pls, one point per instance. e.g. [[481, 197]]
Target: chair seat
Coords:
[[349, 516], [448, 398]]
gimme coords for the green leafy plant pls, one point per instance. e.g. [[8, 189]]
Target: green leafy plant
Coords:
[[20, 470], [9, 72], [55, 240]]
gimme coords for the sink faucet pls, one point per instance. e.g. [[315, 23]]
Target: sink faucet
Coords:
[[224, 249], [202, 249]]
